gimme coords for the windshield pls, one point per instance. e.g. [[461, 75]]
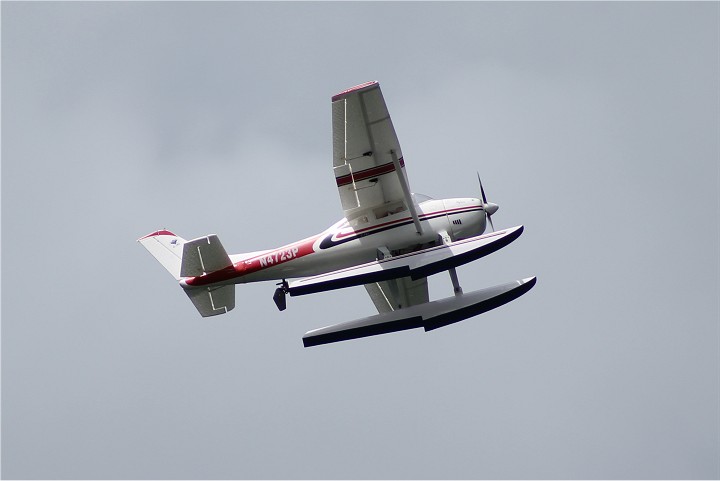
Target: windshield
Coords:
[[420, 198]]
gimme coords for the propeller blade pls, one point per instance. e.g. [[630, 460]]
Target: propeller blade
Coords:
[[482, 191], [488, 208]]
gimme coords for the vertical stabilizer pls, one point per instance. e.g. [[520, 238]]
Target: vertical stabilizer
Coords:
[[167, 248]]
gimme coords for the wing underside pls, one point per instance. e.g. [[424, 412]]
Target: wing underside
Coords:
[[367, 160], [398, 293]]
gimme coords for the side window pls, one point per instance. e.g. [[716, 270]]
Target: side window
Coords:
[[390, 209], [359, 221]]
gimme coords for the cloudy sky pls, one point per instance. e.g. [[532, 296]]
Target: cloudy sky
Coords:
[[595, 125]]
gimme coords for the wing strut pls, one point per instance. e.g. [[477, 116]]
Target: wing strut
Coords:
[[406, 191]]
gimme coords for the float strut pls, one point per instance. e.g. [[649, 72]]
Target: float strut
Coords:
[[455, 282]]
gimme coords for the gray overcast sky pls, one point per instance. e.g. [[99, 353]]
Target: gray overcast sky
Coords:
[[596, 125]]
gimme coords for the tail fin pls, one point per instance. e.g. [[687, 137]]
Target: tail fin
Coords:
[[194, 258], [167, 248]]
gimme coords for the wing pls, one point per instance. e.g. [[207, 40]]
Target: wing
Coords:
[[367, 160], [398, 293]]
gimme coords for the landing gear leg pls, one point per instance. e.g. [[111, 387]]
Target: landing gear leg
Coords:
[[455, 282]]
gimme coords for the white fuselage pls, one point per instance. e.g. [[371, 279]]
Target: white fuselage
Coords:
[[343, 245]]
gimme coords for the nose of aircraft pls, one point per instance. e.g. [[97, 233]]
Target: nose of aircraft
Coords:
[[490, 208]]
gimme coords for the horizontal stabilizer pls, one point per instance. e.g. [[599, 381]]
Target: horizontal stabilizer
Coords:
[[214, 300], [415, 265], [202, 255], [429, 316]]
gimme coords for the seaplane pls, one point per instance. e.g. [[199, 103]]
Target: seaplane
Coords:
[[390, 240]]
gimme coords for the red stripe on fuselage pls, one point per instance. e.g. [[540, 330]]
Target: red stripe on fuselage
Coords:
[[341, 235], [257, 263]]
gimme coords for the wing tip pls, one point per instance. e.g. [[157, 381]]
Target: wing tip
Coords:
[[362, 86]]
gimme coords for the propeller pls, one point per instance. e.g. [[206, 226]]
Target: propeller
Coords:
[[488, 207]]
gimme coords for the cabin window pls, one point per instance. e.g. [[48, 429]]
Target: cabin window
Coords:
[[390, 209], [359, 221]]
